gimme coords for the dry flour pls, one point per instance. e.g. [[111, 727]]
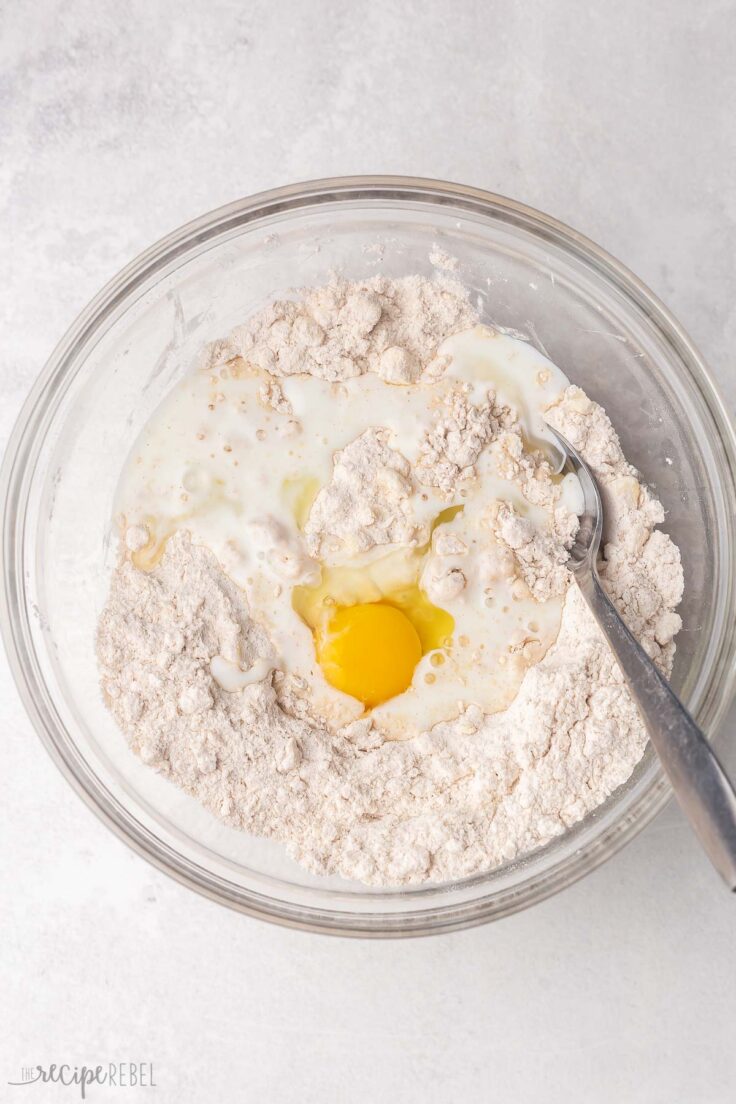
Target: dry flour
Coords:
[[472, 792]]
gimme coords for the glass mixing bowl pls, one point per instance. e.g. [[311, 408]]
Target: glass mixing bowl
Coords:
[[143, 332]]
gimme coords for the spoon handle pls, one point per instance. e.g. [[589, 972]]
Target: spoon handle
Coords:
[[701, 785]]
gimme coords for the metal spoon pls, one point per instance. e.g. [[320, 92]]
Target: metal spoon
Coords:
[[701, 786]]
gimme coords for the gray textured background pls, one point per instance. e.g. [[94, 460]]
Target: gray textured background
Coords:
[[117, 123]]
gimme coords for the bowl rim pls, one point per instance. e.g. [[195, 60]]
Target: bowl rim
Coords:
[[16, 479]]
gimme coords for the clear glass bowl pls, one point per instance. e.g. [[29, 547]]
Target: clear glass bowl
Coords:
[[144, 330]]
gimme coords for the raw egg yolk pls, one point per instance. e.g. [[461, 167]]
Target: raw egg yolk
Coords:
[[369, 651]]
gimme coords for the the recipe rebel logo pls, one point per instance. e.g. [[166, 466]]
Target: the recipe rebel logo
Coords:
[[118, 1075]]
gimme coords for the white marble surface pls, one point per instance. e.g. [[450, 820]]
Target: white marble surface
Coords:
[[117, 123]]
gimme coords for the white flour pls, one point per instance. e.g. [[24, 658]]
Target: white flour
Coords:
[[472, 792], [366, 503], [392, 327]]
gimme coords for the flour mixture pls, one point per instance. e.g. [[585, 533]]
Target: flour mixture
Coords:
[[342, 616]]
